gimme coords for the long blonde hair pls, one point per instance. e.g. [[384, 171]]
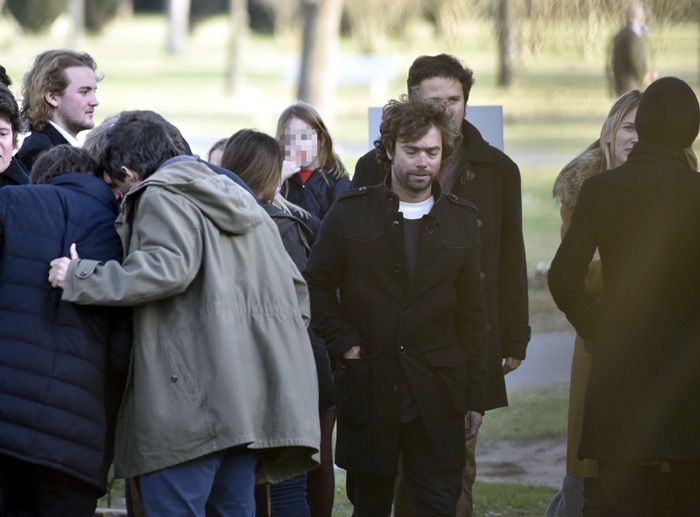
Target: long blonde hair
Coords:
[[626, 103]]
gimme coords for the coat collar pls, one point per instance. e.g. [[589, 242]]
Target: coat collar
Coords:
[[15, 174], [89, 185], [651, 152], [392, 199], [474, 147]]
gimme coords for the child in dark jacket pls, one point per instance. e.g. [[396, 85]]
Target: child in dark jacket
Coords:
[[312, 173]]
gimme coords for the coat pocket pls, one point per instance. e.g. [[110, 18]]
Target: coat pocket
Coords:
[[351, 386], [448, 364]]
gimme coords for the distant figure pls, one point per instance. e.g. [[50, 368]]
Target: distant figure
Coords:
[[629, 59], [216, 152], [58, 101]]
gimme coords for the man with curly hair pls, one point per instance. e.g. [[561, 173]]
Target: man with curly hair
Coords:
[[408, 327]]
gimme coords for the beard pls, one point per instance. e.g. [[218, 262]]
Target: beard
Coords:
[[415, 180]]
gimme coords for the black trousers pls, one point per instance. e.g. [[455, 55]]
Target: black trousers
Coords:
[[629, 490], [434, 491], [28, 490]]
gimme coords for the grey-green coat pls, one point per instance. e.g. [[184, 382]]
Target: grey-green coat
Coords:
[[221, 355]]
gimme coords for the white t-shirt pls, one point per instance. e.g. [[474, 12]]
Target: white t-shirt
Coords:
[[416, 210]]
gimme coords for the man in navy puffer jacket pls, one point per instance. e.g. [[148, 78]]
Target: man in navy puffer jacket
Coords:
[[61, 366]]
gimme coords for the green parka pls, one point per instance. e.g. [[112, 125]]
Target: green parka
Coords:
[[221, 355]]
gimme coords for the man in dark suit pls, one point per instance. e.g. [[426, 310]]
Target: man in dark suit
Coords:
[[408, 326], [629, 57], [642, 405], [59, 101], [483, 175]]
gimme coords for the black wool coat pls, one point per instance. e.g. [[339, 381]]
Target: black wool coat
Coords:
[[644, 218], [429, 329], [14, 174], [491, 181], [36, 142]]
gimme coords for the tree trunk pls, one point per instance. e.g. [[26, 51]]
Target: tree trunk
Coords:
[[178, 24], [507, 44], [321, 28], [238, 27], [76, 9], [126, 9]]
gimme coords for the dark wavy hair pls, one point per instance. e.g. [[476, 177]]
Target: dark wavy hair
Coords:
[[442, 65], [139, 144], [408, 119], [9, 110], [62, 159]]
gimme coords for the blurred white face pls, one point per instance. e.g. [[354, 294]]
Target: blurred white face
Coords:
[[215, 156], [624, 140], [300, 143], [6, 137], [448, 92]]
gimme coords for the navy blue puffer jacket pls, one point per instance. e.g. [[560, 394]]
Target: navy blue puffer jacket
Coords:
[[58, 362]]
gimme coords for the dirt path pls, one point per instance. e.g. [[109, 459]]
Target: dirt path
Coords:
[[541, 462]]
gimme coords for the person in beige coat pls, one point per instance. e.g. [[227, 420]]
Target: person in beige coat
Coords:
[[222, 382]]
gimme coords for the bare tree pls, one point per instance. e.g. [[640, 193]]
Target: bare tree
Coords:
[[178, 25], [319, 42], [507, 43], [76, 9], [238, 27]]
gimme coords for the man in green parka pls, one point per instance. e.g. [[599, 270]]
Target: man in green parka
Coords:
[[222, 382]]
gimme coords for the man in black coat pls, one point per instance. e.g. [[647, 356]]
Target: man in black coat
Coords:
[[642, 405], [58, 102], [409, 324], [490, 180]]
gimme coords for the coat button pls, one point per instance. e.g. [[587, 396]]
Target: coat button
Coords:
[[403, 349], [479, 222], [173, 378], [396, 223]]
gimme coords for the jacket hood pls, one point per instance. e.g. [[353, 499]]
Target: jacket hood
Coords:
[[668, 113], [568, 183], [228, 206]]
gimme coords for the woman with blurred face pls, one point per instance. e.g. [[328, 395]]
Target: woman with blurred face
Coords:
[[257, 159], [312, 173], [11, 170]]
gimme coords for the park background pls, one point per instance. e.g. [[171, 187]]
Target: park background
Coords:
[[213, 66]]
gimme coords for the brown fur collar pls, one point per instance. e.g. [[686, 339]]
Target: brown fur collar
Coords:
[[568, 183]]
